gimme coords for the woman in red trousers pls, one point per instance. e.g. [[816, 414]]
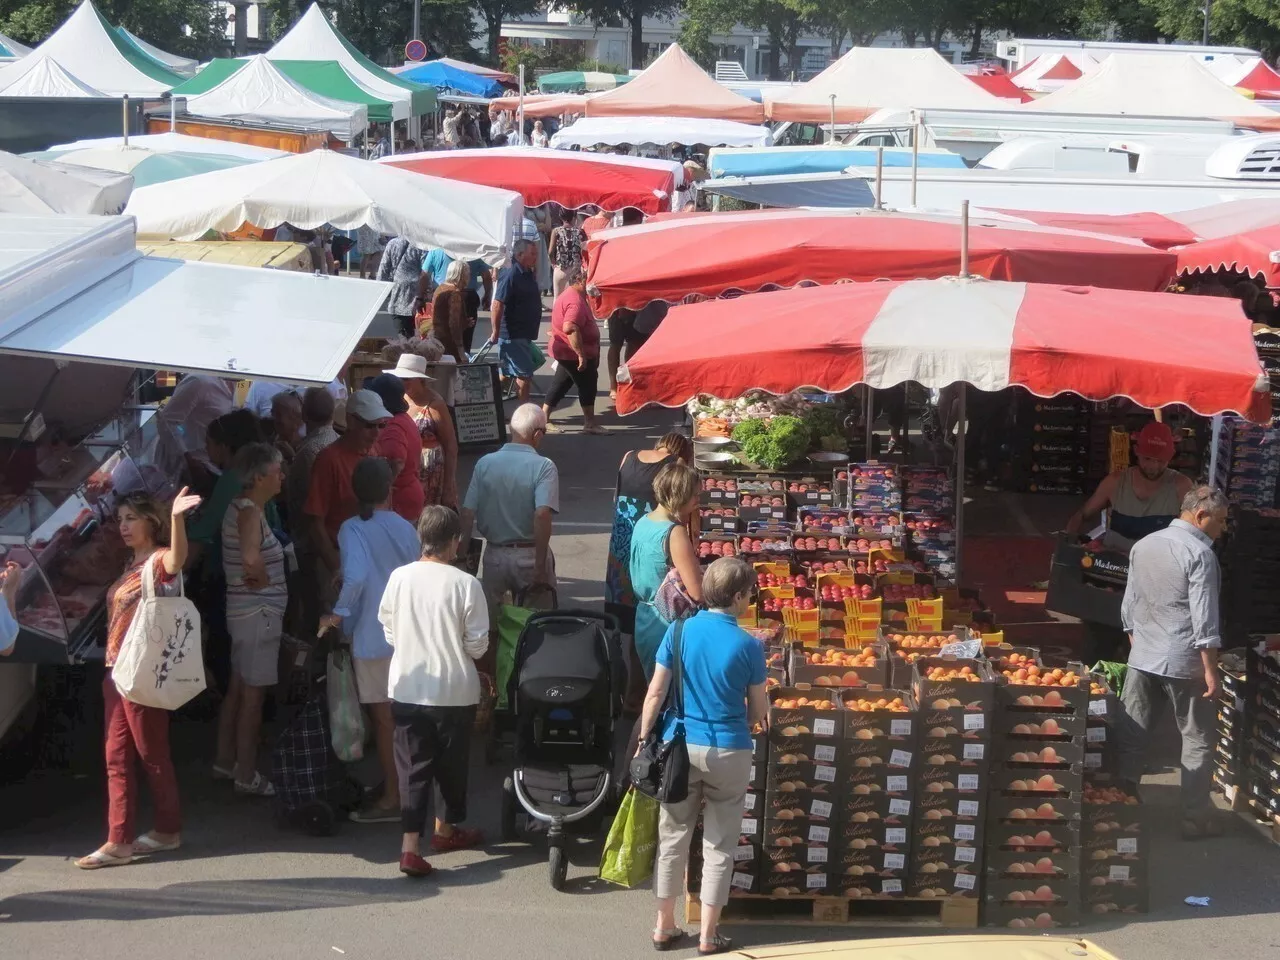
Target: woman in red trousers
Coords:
[[134, 732]]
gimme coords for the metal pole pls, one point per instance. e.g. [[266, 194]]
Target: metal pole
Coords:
[[964, 238], [417, 20], [879, 174], [961, 426], [915, 160], [1208, 9], [832, 137], [124, 117], [520, 110], [871, 419], [173, 114]]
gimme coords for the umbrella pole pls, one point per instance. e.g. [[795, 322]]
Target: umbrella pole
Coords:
[[173, 115], [964, 240], [879, 174], [124, 118], [915, 160], [520, 111], [871, 419], [831, 138], [961, 428]]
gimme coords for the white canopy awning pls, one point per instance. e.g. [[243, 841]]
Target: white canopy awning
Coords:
[[44, 187], [660, 131], [39, 75], [309, 190], [175, 143], [119, 307]]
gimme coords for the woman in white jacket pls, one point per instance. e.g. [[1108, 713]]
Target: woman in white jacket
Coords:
[[437, 623]]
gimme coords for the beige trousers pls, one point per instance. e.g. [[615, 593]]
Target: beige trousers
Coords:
[[719, 777]]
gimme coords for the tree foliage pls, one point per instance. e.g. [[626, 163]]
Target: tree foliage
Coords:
[[629, 14], [192, 28]]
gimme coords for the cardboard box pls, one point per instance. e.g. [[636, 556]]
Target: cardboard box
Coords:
[[719, 490], [883, 807], [811, 880], [805, 749], [1032, 916], [869, 888], [872, 834], [1033, 781], [753, 804], [889, 755], [1108, 848], [806, 807], [1112, 819], [952, 778], [752, 828], [1033, 838], [820, 667], [1102, 901], [1030, 865], [869, 862], [954, 752], [947, 854], [1049, 752], [951, 805], [955, 722], [758, 775], [789, 778], [1032, 810], [945, 833], [880, 723], [895, 781], [803, 855], [1037, 888], [759, 747], [786, 833], [807, 720], [1061, 699], [976, 695], [940, 883]]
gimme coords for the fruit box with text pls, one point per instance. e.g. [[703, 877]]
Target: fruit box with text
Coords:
[[941, 883], [1129, 875], [1024, 694], [1020, 863], [864, 808], [809, 806], [752, 829], [812, 545], [878, 779], [824, 520], [1031, 781], [1031, 915], [1033, 810], [869, 888], [753, 803], [793, 794], [826, 666], [951, 805], [789, 833], [788, 857], [718, 519], [798, 777], [759, 771], [803, 880], [1033, 888], [955, 753], [810, 492], [944, 778], [877, 713], [944, 833], [753, 508], [890, 755], [1034, 837], [1102, 901], [869, 862], [798, 711], [1112, 820], [719, 491], [804, 749], [1048, 749], [713, 546], [871, 835], [946, 854]]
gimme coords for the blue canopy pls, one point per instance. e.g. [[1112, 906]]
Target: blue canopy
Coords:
[[796, 190], [444, 77], [778, 161]]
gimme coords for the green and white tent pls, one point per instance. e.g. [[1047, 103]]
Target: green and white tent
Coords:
[[183, 66], [580, 81], [313, 37]]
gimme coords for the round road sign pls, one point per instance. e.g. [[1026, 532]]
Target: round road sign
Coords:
[[415, 50]]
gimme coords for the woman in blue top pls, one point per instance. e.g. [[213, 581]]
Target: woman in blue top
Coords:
[[659, 542], [372, 544], [723, 694]]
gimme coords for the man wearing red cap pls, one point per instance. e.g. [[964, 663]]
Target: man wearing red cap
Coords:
[[1143, 498]]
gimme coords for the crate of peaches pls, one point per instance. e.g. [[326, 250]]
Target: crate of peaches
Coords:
[[719, 491], [718, 519], [872, 713], [810, 543], [955, 693], [1027, 684], [761, 507], [803, 711], [810, 491], [712, 547], [906, 647], [840, 667], [765, 544]]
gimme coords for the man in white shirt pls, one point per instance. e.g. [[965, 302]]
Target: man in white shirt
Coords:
[[437, 624], [184, 419]]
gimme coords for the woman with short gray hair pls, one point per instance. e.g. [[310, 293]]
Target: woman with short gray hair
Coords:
[[253, 561], [449, 310], [723, 693], [436, 621]]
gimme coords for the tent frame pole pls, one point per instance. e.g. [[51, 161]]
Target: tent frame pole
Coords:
[[831, 136], [879, 175], [124, 118], [964, 238], [915, 159], [961, 428], [871, 420]]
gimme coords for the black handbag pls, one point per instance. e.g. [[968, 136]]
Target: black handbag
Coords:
[[661, 767]]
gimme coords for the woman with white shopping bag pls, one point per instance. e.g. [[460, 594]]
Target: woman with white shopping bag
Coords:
[[134, 732]]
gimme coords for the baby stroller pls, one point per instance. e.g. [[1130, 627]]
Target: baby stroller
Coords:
[[565, 694]]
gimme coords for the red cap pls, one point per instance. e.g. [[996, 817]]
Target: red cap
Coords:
[[1155, 440]]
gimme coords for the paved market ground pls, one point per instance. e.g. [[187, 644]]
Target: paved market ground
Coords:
[[241, 889]]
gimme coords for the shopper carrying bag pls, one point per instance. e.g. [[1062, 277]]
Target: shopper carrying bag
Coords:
[[632, 843], [161, 661], [660, 768]]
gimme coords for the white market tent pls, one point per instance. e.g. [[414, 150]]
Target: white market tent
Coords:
[[39, 75], [183, 66], [867, 79], [1156, 85], [313, 37], [1053, 71], [77, 289], [260, 93], [309, 190], [660, 131], [88, 48], [40, 187], [11, 49], [175, 143]]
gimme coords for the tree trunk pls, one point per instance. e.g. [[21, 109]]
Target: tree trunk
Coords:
[[976, 46], [635, 20], [772, 61], [908, 36], [837, 41], [793, 47], [493, 20]]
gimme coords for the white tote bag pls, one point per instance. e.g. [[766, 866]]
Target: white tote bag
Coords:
[[161, 660]]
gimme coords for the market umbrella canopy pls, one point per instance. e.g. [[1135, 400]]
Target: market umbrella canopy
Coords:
[[175, 143], [313, 37], [258, 92], [444, 77], [41, 187], [501, 76], [580, 81], [146, 166], [1156, 85], [309, 190], [542, 105], [89, 49], [11, 49], [1215, 222], [1253, 252], [1154, 348], [183, 66], [674, 86], [570, 179], [39, 75], [713, 254], [867, 79], [659, 131]]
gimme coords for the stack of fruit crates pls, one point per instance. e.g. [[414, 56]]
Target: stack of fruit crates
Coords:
[[1050, 444], [929, 516], [1230, 729], [952, 776], [1116, 851], [1037, 785], [1262, 760], [1101, 745]]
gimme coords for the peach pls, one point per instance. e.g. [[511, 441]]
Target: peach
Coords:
[[1044, 893], [1044, 920], [1045, 865]]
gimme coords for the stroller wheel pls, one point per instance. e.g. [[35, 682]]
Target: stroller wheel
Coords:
[[509, 832], [317, 818], [558, 866]]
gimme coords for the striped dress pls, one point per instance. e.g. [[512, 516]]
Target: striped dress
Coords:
[[241, 601]]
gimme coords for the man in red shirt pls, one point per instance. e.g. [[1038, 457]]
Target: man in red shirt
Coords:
[[575, 346], [400, 444], [330, 498]]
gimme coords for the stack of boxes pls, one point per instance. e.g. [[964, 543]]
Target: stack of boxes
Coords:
[[929, 517], [1251, 566], [1262, 748], [1037, 786], [1101, 747], [1115, 852], [1050, 444], [1230, 728], [952, 774], [1254, 464]]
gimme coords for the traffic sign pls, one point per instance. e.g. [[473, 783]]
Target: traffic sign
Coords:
[[415, 50]]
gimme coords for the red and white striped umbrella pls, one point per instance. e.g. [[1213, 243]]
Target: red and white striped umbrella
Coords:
[[1154, 348]]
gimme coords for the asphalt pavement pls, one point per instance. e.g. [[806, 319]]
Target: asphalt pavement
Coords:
[[242, 889]]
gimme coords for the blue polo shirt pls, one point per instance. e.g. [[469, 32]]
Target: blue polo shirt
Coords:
[[437, 264], [518, 292], [507, 486], [721, 660]]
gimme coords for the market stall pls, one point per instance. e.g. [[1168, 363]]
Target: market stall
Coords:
[[39, 187], [572, 180], [710, 255], [637, 131], [674, 86]]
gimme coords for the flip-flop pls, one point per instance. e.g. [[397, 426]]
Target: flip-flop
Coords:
[[97, 860], [144, 844]]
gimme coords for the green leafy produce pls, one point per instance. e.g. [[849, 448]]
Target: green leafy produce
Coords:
[[824, 420], [759, 449], [752, 427], [791, 435]]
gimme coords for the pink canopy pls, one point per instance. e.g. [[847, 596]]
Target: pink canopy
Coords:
[[1217, 222], [1000, 85], [674, 86], [1261, 81]]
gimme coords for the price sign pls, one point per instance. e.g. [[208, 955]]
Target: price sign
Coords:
[[815, 881], [743, 881], [899, 758], [750, 826], [820, 808], [817, 854], [894, 861], [967, 781], [895, 835], [819, 834], [891, 886], [824, 728], [1118, 872], [1127, 845], [824, 753], [966, 831], [744, 852], [900, 728], [966, 854], [1096, 735], [895, 784], [478, 418], [749, 802], [967, 808], [974, 721], [900, 807], [975, 751], [1092, 761], [1097, 708], [966, 881], [825, 773]]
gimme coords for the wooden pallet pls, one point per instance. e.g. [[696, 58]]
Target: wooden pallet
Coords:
[[829, 911]]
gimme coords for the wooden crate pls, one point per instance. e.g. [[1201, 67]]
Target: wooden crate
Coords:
[[841, 911]]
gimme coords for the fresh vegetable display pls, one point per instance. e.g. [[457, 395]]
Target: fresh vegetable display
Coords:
[[785, 441]]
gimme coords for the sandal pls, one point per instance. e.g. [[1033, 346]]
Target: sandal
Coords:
[[671, 939], [147, 844], [99, 859], [224, 773], [259, 786], [462, 839], [716, 944]]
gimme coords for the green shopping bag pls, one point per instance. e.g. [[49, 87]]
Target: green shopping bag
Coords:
[[1114, 673], [511, 620], [632, 844], [539, 358]]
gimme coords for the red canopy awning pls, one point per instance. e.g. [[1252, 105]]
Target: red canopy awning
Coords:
[[571, 179], [1251, 252], [1154, 348], [713, 254], [999, 85], [1261, 81]]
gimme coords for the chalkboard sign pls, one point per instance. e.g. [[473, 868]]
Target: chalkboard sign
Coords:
[[478, 416]]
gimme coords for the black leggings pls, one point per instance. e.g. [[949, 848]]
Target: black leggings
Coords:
[[583, 377], [432, 745], [408, 326]]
